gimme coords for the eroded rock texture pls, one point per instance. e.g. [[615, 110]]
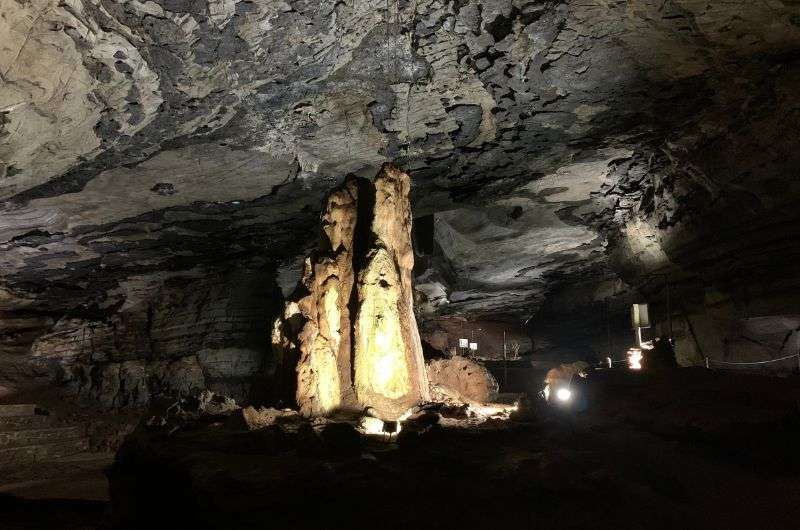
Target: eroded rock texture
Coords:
[[462, 379], [566, 155], [313, 335], [194, 334], [360, 274], [389, 367]]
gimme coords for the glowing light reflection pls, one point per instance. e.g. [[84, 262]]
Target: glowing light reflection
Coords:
[[563, 394], [635, 359]]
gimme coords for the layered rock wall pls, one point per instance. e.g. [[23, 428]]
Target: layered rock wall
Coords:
[[188, 335]]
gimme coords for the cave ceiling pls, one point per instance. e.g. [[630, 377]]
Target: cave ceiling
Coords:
[[578, 141]]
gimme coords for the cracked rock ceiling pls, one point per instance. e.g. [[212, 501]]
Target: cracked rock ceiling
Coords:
[[552, 142]]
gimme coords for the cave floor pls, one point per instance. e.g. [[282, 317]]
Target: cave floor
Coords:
[[687, 448], [69, 493]]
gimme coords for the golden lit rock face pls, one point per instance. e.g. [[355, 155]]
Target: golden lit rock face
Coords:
[[380, 364], [388, 346], [318, 372], [311, 340], [363, 265]]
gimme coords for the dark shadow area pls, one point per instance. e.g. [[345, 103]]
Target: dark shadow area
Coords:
[[16, 513], [682, 448]]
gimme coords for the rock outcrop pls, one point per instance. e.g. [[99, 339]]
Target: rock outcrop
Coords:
[[353, 310], [566, 155], [462, 378], [189, 334], [313, 334]]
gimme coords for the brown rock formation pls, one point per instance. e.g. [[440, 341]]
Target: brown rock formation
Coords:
[[377, 361], [462, 378], [189, 334], [308, 337]]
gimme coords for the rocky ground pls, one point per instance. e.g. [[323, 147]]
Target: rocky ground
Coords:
[[564, 155], [688, 448]]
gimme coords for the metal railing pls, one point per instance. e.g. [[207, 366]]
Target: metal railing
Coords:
[[711, 362]]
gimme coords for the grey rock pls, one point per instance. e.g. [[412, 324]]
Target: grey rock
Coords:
[[155, 156]]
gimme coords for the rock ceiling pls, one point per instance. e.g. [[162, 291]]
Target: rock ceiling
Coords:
[[551, 141]]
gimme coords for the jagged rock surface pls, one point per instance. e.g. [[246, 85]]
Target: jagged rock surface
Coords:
[[361, 274], [388, 362], [312, 337], [196, 334], [567, 153], [463, 377]]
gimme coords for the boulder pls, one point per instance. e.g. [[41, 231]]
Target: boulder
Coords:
[[211, 404], [459, 377]]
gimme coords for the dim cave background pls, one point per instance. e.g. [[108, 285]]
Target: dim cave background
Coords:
[[164, 165]]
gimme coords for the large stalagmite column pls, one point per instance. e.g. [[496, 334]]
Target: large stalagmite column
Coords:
[[312, 339], [389, 368], [361, 273]]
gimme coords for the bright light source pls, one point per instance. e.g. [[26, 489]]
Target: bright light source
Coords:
[[635, 359], [564, 394], [610, 362], [492, 410], [473, 346], [383, 430], [463, 343], [371, 425]]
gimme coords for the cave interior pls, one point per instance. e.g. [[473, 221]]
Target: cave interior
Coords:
[[384, 259]]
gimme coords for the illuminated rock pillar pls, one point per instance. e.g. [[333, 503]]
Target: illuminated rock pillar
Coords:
[[362, 270], [389, 368], [312, 340]]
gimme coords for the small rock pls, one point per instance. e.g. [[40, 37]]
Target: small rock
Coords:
[[264, 417], [213, 404]]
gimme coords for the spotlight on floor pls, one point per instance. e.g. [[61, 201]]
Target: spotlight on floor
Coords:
[[635, 359], [564, 394]]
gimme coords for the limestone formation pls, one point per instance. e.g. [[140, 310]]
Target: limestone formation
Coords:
[[565, 153], [313, 331], [194, 334], [462, 379], [349, 332], [389, 367]]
